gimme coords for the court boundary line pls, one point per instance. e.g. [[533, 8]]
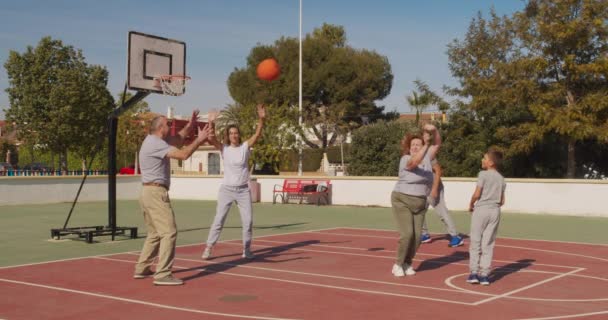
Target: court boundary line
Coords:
[[496, 245], [511, 238], [304, 283], [420, 253], [126, 252], [448, 282], [535, 284], [568, 316], [141, 302], [386, 257]]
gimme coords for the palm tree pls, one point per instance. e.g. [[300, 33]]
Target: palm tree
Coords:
[[420, 99]]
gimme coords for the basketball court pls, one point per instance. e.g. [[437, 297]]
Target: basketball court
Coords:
[[337, 273]]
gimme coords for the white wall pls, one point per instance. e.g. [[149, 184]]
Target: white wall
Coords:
[[559, 196], [33, 190], [562, 197]]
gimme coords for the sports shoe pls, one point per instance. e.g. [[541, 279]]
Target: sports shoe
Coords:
[[168, 281], [143, 275], [426, 238], [456, 241], [398, 271], [247, 254], [409, 271], [484, 280], [473, 278], [207, 253]]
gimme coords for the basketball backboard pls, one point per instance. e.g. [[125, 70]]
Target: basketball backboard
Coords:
[[152, 56]]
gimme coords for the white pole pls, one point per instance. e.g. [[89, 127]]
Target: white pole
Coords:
[[300, 98]]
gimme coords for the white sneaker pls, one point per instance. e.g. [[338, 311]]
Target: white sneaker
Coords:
[[409, 271], [398, 271], [247, 254], [207, 253]]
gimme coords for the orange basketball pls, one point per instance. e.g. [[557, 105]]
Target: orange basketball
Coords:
[[268, 69]]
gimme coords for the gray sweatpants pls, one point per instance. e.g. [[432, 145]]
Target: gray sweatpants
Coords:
[[226, 196], [484, 226], [444, 215]]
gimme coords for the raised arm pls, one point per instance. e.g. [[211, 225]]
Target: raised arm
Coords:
[[430, 129], [182, 134], [186, 152], [258, 130], [212, 138]]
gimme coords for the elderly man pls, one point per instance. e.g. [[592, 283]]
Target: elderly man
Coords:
[[154, 155]]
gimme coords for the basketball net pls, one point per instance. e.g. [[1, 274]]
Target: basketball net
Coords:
[[171, 85]]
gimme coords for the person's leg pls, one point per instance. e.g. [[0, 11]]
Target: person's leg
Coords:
[[444, 214], [403, 219], [243, 199], [425, 236], [417, 207], [224, 202], [488, 239], [478, 223], [163, 219], [150, 248]]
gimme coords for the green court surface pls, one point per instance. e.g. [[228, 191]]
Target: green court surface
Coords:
[[25, 229]]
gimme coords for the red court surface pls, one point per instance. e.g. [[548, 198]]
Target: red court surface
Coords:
[[340, 273]]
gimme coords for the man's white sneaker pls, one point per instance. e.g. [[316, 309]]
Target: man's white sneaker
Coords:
[[398, 271], [207, 253]]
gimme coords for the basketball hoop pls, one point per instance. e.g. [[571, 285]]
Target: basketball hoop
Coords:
[[171, 84]]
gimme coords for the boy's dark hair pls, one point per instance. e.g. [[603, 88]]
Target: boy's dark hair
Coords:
[[495, 156]]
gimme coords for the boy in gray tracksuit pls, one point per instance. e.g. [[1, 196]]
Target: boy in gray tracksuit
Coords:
[[485, 205]]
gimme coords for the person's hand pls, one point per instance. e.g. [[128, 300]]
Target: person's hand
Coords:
[[261, 111], [193, 119], [429, 127], [426, 137], [203, 134], [212, 115], [435, 195], [471, 207]]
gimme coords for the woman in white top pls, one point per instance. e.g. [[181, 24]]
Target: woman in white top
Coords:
[[235, 185]]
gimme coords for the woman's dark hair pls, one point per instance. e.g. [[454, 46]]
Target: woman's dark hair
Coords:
[[227, 133]]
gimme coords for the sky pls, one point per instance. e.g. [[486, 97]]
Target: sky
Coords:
[[219, 35]]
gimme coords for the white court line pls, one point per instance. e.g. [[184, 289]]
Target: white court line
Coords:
[[511, 238], [536, 284], [127, 252], [146, 303], [308, 283], [321, 275], [417, 253], [553, 251], [386, 257], [496, 245], [569, 316]]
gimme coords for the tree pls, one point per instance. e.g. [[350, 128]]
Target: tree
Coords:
[[538, 77], [132, 128], [57, 100], [420, 99], [343, 80], [375, 149]]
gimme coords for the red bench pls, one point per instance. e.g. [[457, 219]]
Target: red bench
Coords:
[[302, 188]]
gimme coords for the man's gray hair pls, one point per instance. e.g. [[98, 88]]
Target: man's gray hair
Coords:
[[155, 125]]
